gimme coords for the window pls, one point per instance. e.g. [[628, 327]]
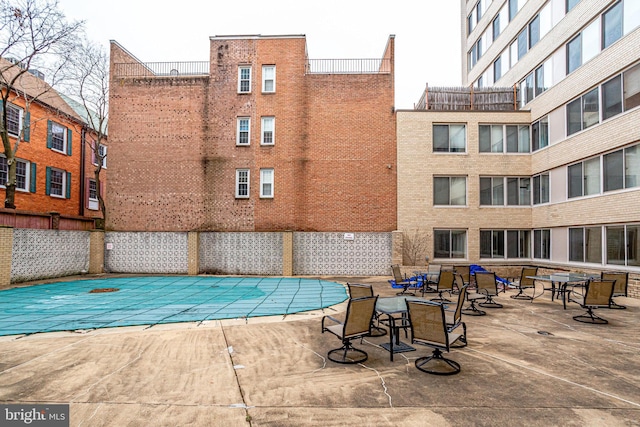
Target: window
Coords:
[[534, 31], [584, 178], [522, 43], [450, 191], [492, 191], [93, 203], [518, 244], [491, 243], [266, 183], [583, 112], [58, 183], [58, 138], [268, 131], [14, 120], [631, 82], [570, 4], [543, 77], [449, 138], [542, 244], [450, 243], [612, 25], [541, 189], [491, 138], [102, 154], [243, 132], [621, 169], [527, 89], [244, 79], [540, 134], [24, 171], [242, 183], [612, 98], [513, 8], [518, 191], [574, 53], [268, 78], [497, 69], [622, 245], [496, 27], [631, 15], [585, 244]]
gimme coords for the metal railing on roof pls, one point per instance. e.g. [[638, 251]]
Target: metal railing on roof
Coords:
[[469, 98], [348, 66], [161, 69]]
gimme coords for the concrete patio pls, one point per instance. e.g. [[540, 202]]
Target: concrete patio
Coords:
[[528, 363]]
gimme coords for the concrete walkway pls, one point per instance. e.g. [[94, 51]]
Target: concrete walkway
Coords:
[[526, 364]]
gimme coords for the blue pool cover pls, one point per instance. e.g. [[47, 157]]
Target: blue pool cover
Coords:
[[151, 300]]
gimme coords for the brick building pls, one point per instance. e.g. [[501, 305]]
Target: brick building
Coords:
[[258, 138], [51, 153], [556, 182]]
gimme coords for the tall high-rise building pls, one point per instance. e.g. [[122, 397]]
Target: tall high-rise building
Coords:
[[554, 177]]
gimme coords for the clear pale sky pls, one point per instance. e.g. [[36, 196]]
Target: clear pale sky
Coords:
[[427, 42]]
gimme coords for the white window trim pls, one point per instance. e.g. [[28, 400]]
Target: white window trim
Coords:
[[264, 181], [263, 120], [27, 180], [64, 184], [240, 68], [96, 155], [20, 120], [65, 131], [238, 121], [238, 172], [94, 202], [264, 80]]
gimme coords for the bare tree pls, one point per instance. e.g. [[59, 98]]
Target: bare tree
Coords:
[[415, 245], [88, 82], [34, 35]]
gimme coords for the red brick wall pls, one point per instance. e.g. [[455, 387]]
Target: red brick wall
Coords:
[[173, 153], [36, 151]]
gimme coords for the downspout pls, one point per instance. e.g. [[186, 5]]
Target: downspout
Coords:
[[82, 171]]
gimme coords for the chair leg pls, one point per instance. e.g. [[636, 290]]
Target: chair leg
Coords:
[[490, 303], [521, 295], [590, 317], [472, 310], [451, 367], [347, 354], [616, 306]]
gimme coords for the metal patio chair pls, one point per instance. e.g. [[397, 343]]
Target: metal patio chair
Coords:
[[525, 283], [429, 327], [597, 295], [357, 324], [619, 288]]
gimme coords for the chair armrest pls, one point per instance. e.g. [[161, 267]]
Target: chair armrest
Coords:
[[330, 318]]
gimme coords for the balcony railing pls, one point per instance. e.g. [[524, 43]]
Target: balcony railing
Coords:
[[348, 66], [161, 69]]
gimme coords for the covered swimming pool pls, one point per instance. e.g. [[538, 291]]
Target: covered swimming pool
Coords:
[[151, 300]]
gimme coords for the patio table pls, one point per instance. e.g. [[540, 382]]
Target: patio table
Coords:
[[393, 306], [562, 280]]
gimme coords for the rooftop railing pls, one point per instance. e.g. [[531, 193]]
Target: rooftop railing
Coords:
[[161, 69], [348, 66], [469, 98]]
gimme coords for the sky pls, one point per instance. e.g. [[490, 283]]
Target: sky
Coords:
[[427, 32]]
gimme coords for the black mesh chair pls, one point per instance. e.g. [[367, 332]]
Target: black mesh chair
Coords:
[[619, 288], [597, 295], [525, 283], [357, 324], [402, 281], [357, 290], [429, 327]]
